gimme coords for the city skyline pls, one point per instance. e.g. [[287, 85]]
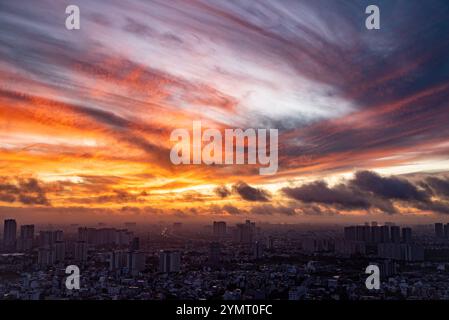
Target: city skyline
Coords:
[[245, 261], [86, 115]]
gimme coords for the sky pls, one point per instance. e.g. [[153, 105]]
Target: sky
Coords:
[[86, 115]]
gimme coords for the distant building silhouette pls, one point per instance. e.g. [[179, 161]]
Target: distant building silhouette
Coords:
[[135, 244], [10, 235], [258, 250], [26, 237], [407, 235], [219, 229], [245, 232], [169, 261], [439, 231], [80, 251], [395, 234]]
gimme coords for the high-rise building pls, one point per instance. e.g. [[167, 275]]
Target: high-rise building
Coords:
[[407, 235], [118, 259], [105, 237], [59, 251], [246, 232], [83, 234], [359, 231], [137, 263], [80, 251], [123, 237], [439, 231], [169, 261], [362, 233], [135, 244], [9, 235], [384, 234], [401, 251], [350, 233], [131, 261], [59, 235], [48, 238], [258, 250], [395, 234], [219, 228], [366, 233], [26, 237], [369, 234], [376, 234], [350, 247], [45, 257], [270, 243]]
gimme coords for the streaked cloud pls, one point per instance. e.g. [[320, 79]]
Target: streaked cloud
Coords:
[[85, 116]]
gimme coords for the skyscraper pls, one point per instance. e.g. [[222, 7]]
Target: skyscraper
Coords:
[[45, 257], [135, 244], [360, 235], [169, 261], [219, 229], [258, 250], [395, 234], [384, 234], [439, 232], [136, 262], [59, 235], [9, 235], [83, 234], [367, 233], [26, 237], [376, 234], [119, 259], [270, 243], [407, 235], [132, 261], [59, 251], [246, 232], [48, 238], [80, 252], [350, 233]]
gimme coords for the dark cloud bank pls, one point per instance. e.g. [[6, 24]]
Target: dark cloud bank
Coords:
[[368, 190], [24, 191]]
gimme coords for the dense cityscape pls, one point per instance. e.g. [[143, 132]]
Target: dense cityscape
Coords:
[[224, 262]]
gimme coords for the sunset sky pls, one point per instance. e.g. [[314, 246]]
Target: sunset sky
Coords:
[[86, 115]]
